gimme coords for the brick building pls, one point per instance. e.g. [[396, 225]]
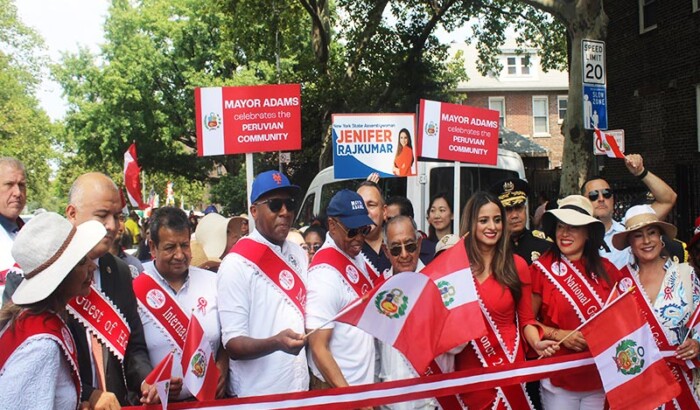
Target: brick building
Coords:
[[653, 77], [531, 102]]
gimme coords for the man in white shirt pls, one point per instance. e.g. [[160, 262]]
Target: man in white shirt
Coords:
[[601, 196], [261, 295], [341, 354], [13, 197]]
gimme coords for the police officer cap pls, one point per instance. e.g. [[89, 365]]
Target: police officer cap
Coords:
[[510, 191]]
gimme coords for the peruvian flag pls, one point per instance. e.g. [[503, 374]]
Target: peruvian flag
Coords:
[[451, 274], [132, 181], [200, 374], [612, 150], [398, 313], [627, 358], [160, 377]]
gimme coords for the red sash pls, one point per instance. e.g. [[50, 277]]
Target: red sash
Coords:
[[687, 400], [101, 318], [163, 308], [44, 325], [350, 273], [267, 261], [572, 284]]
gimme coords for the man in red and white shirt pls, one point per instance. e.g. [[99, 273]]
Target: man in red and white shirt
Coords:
[[262, 293]]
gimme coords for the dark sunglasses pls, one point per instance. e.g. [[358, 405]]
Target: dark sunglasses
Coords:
[[315, 247], [593, 195], [275, 204], [396, 250], [353, 232]]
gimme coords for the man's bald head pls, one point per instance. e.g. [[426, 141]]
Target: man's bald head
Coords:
[[94, 196]]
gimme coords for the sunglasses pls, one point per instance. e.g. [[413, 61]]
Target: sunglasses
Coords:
[[594, 195], [315, 247], [353, 232], [396, 250], [275, 204]]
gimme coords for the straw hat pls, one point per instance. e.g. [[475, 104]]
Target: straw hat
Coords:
[[574, 210], [47, 249], [211, 234], [637, 217]]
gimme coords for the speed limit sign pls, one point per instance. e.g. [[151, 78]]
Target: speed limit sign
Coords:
[[593, 62]]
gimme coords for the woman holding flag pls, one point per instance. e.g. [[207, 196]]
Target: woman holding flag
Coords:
[[570, 283], [669, 291], [502, 282]]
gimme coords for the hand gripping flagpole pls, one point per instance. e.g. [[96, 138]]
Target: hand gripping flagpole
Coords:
[[343, 311]]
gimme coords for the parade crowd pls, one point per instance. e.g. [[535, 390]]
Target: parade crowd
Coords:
[[84, 322]]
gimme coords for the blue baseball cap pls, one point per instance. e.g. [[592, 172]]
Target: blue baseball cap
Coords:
[[269, 181], [349, 207]]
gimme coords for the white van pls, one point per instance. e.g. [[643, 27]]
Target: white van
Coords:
[[433, 176]]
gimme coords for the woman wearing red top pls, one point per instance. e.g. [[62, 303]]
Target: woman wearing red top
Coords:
[[570, 283], [403, 161], [503, 284]]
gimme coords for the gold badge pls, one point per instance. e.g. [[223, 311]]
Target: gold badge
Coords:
[[508, 186], [534, 256]]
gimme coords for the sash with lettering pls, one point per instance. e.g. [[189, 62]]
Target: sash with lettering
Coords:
[[285, 278], [350, 273], [101, 318], [687, 400], [492, 351], [163, 308], [572, 284], [44, 325]]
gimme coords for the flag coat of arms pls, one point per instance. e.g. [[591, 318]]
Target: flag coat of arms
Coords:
[[452, 275], [407, 312], [200, 374], [160, 377], [612, 149], [634, 373]]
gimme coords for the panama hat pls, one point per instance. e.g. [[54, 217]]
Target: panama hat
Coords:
[[47, 249], [574, 210], [446, 242], [211, 234], [637, 217]]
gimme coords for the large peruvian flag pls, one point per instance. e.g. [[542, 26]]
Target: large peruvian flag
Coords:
[[132, 181], [451, 273], [160, 377], [407, 312], [634, 373], [200, 374]]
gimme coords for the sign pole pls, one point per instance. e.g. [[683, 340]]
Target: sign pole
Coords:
[[249, 186], [455, 201]]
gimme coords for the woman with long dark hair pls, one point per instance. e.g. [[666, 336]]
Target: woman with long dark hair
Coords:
[[502, 282], [403, 160], [38, 357], [570, 283]]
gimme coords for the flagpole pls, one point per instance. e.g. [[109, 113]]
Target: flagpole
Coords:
[[606, 306], [343, 311]]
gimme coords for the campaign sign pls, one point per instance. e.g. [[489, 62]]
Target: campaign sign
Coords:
[[595, 111], [237, 120], [458, 133], [367, 143]]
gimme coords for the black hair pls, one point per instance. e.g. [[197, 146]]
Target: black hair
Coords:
[[432, 235], [168, 217], [319, 230], [593, 178], [404, 204]]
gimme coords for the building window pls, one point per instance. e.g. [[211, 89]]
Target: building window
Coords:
[[696, 5], [647, 15], [518, 65], [540, 116], [562, 103], [697, 111], [499, 104]]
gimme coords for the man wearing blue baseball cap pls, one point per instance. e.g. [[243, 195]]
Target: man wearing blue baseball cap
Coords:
[[261, 296], [341, 354]]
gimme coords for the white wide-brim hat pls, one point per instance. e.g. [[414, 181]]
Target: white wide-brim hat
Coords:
[[637, 217], [574, 210], [211, 234], [47, 249]]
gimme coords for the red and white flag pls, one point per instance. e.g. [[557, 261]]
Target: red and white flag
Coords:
[[160, 377], [200, 374], [634, 373], [452, 275], [612, 150], [132, 180], [407, 312]]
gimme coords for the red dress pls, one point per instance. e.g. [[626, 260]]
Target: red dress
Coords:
[[557, 312], [500, 305], [404, 161]]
